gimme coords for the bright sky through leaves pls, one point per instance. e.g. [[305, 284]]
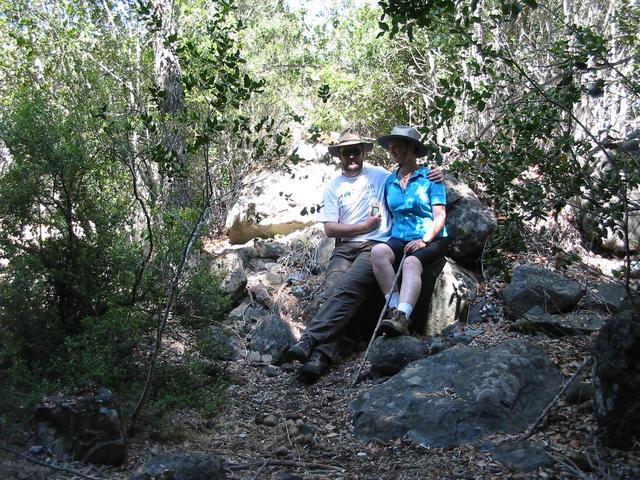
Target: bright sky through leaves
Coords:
[[317, 8]]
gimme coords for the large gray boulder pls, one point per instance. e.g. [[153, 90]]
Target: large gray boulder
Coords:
[[230, 267], [457, 395], [454, 290], [279, 202], [87, 426], [532, 286], [469, 221], [579, 322], [390, 355], [616, 379], [607, 297], [601, 228]]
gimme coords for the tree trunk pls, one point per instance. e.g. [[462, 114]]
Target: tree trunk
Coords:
[[168, 79]]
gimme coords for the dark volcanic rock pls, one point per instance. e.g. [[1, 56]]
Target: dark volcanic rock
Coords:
[[88, 427], [533, 286], [574, 323], [390, 355], [616, 379], [608, 297], [469, 221], [522, 456], [501, 389], [181, 467], [272, 336]]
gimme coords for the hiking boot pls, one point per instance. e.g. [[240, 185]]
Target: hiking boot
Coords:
[[315, 367], [395, 324], [302, 349]]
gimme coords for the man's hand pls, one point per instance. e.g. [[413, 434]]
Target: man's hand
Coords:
[[414, 245], [372, 222], [435, 175], [348, 230]]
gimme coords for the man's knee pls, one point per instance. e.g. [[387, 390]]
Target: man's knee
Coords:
[[380, 250], [381, 254]]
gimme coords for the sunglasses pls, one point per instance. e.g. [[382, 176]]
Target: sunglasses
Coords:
[[350, 152]]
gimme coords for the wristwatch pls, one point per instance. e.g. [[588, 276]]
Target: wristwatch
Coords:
[[425, 237]]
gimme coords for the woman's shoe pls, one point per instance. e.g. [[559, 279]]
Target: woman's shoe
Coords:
[[395, 324]]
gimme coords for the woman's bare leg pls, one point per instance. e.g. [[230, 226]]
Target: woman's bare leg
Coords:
[[411, 281]]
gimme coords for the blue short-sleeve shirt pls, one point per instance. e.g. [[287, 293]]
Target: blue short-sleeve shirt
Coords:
[[412, 207]]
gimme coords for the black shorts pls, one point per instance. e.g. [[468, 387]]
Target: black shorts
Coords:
[[435, 250]]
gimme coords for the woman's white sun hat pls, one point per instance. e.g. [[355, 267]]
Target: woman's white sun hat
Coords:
[[406, 133]]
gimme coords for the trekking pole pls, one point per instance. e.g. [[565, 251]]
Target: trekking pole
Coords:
[[375, 331]]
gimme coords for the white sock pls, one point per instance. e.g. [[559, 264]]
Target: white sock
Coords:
[[405, 307], [393, 301]]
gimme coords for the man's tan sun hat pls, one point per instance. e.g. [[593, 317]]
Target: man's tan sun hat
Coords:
[[406, 133], [348, 138]]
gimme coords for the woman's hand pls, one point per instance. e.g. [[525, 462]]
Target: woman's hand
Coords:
[[414, 245]]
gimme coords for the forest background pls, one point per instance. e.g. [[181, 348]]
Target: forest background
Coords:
[[127, 128]]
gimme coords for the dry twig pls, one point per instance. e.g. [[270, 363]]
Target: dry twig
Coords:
[[262, 467], [285, 463], [375, 331], [564, 388], [46, 464]]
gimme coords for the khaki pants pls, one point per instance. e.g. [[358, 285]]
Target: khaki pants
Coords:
[[349, 281]]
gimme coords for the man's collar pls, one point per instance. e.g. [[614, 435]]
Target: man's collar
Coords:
[[421, 171]]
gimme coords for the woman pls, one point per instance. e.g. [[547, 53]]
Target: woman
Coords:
[[418, 208]]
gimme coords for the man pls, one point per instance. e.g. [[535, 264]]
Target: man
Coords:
[[354, 213]]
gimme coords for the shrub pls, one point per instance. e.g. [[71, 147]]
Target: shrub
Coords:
[[108, 351]]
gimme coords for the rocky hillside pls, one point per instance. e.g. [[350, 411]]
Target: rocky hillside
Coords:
[[498, 394]]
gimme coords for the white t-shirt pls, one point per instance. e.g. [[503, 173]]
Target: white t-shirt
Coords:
[[350, 199]]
